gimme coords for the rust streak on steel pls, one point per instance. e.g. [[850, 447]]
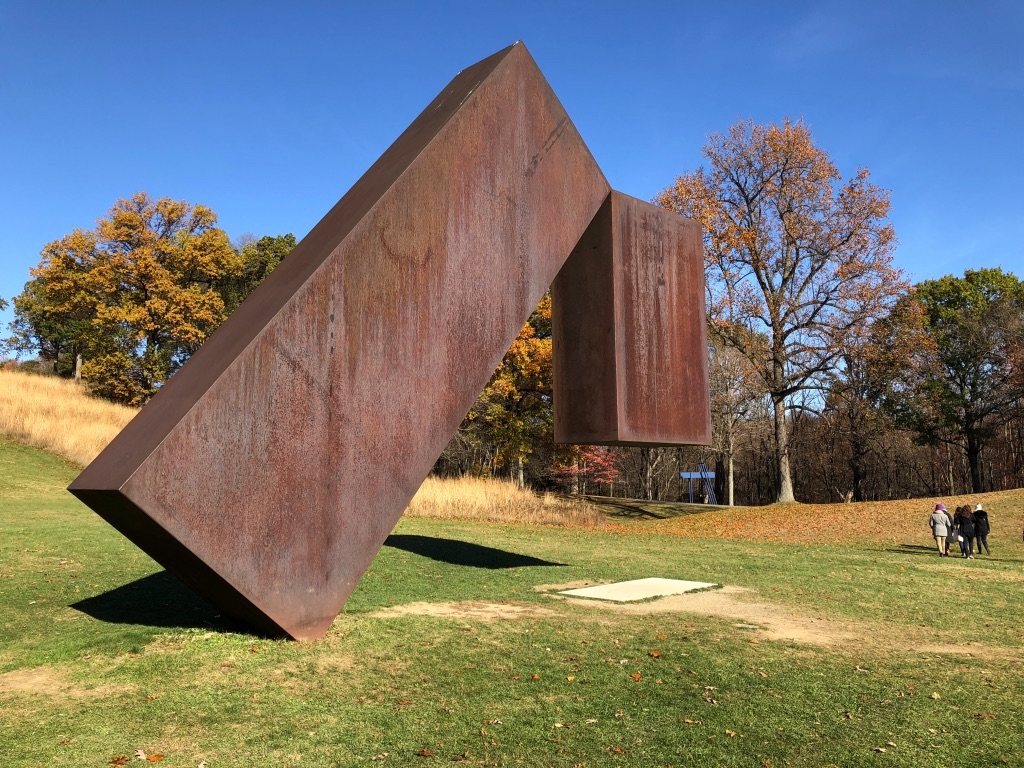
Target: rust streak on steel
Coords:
[[269, 470]]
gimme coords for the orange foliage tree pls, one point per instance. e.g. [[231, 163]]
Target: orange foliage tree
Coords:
[[139, 293], [796, 259], [513, 413]]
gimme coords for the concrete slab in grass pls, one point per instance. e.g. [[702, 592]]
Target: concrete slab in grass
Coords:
[[638, 589]]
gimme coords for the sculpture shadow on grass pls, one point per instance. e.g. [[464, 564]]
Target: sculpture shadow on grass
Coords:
[[455, 552], [157, 600], [642, 510]]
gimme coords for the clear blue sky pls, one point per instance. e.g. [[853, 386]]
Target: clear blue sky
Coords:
[[268, 112]]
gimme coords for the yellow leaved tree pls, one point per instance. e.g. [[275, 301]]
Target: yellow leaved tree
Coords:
[[132, 298]]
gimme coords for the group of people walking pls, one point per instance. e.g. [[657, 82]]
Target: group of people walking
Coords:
[[969, 529]]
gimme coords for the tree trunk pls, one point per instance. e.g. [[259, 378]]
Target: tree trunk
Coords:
[[782, 452], [857, 466], [520, 479], [949, 471], [647, 473], [973, 460], [78, 367], [731, 499]]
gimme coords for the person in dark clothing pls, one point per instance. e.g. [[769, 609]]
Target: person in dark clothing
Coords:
[[957, 537], [981, 530], [949, 527], [964, 522]]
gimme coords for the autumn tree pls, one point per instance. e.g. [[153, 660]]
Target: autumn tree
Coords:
[[514, 412], [580, 465], [135, 296], [258, 258], [795, 257], [59, 338], [963, 379]]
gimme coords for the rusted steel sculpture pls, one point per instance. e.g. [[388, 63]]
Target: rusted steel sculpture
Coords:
[[269, 470]]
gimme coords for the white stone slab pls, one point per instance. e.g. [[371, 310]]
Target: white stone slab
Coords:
[[638, 589]]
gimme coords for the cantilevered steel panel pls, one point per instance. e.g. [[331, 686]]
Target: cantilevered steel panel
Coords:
[[269, 470], [630, 346]]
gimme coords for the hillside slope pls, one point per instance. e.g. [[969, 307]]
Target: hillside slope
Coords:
[[58, 415], [903, 521]]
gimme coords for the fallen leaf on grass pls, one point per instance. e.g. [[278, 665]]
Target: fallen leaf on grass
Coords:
[[890, 743], [663, 637], [425, 752], [535, 677], [729, 733], [381, 756], [119, 760], [936, 696], [848, 715], [570, 678], [636, 677], [984, 716], [763, 674], [616, 750], [591, 721], [879, 749], [654, 654]]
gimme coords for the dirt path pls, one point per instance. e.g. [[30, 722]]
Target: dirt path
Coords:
[[766, 621]]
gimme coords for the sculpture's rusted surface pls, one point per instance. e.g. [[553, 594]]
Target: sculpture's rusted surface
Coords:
[[268, 472], [630, 348]]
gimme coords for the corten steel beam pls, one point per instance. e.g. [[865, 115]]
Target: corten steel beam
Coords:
[[269, 470], [629, 341]]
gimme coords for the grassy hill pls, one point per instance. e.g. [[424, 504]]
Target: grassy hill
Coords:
[[457, 648]]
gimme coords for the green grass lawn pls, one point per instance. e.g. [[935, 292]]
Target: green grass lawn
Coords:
[[103, 654]]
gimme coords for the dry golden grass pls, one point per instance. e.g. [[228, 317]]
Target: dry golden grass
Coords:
[[58, 415], [470, 498]]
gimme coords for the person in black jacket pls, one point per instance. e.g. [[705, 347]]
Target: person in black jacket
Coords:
[[964, 522], [981, 530]]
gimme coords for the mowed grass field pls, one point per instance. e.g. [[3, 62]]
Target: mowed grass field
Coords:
[[841, 640]]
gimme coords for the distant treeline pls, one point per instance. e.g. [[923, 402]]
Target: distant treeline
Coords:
[[832, 377]]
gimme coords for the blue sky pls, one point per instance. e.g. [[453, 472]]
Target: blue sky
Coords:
[[268, 112]]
